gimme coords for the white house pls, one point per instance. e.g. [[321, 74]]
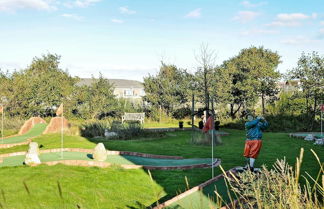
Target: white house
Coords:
[[129, 89]]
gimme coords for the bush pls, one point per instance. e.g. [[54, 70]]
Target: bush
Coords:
[[182, 113], [94, 128]]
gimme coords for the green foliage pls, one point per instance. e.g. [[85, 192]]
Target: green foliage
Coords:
[[182, 113], [310, 73], [94, 128], [243, 79], [168, 89], [35, 90], [95, 101]]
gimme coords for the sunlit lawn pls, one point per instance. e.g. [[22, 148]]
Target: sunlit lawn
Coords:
[[114, 187]]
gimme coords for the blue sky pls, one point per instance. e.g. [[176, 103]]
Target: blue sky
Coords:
[[128, 38]]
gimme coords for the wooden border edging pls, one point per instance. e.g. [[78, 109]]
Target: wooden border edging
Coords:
[[192, 190]]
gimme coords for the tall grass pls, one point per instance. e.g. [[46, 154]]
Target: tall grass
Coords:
[[278, 187]]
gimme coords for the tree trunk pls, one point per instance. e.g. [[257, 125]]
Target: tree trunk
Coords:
[[233, 112], [314, 113], [263, 108]]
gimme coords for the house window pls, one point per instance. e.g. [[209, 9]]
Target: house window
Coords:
[[128, 93]]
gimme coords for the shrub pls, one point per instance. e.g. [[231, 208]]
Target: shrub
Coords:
[[182, 113], [94, 128]]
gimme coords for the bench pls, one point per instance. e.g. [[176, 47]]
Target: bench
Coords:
[[134, 116]]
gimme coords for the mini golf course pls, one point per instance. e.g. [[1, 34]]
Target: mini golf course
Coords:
[[36, 130], [84, 158]]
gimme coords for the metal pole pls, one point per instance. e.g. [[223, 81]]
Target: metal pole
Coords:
[[321, 118], [213, 128], [192, 116], [2, 124], [62, 131]]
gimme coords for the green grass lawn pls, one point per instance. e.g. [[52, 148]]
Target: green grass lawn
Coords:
[[81, 187], [275, 145]]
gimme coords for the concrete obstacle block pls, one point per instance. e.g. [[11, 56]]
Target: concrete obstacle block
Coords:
[[30, 124], [100, 152], [55, 125], [309, 137], [33, 148], [32, 155]]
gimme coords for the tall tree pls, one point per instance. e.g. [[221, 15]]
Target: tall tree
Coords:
[[310, 72], [39, 87], [206, 59], [168, 89], [250, 75]]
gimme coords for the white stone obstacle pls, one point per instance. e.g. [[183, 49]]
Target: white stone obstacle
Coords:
[[100, 152], [32, 156]]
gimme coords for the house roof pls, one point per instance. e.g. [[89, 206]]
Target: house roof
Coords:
[[118, 83]]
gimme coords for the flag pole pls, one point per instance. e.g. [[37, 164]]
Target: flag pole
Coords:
[[213, 124], [62, 131], [2, 116], [322, 109]]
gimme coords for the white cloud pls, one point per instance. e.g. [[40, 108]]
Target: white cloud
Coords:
[[291, 19], [299, 40], [81, 3], [194, 14], [72, 16], [13, 5], [322, 23], [125, 10], [245, 16], [117, 21], [259, 31], [248, 4]]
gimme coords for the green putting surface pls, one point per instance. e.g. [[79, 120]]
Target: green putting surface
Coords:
[[204, 199], [37, 130], [114, 159]]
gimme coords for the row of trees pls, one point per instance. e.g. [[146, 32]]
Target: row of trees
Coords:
[[43, 86], [240, 84]]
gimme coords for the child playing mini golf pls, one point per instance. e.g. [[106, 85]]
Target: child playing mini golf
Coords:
[[253, 142]]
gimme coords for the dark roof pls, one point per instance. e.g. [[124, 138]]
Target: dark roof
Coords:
[[118, 83]]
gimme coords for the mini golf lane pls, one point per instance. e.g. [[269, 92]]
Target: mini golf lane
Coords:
[[128, 160], [203, 199], [33, 132], [202, 196]]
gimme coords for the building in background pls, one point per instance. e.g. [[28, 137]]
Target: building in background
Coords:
[[127, 89]]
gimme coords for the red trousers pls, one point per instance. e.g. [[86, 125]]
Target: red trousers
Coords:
[[252, 148]]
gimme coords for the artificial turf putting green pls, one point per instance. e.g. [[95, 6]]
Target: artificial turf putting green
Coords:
[[37, 130], [205, 198], [114, 159]]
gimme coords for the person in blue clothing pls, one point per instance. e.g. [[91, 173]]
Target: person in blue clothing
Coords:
[[253, 142]]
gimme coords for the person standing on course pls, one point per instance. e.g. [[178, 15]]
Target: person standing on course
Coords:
[[253, 142]]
